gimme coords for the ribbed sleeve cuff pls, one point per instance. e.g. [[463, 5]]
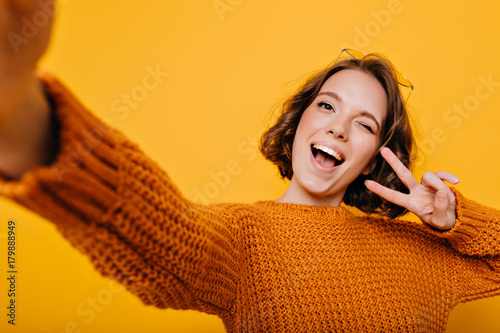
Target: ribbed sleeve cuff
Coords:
[[471, 225], [80, 184]]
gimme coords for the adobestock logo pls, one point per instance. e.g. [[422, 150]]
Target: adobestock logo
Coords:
[[220, 179], [223, 6], [455, 116], [371, 29], [73, 154], [131, 100], [88, 310], [460, 111]]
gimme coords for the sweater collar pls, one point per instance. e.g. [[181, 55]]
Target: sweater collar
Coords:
[[305, 211]]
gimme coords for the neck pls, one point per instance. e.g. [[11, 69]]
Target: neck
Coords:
[[297, 194]]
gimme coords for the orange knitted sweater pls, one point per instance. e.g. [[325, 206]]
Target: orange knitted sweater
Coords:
[[261, 267]]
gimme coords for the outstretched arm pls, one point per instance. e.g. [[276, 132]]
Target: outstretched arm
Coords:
[[104, 195], [118, 207]]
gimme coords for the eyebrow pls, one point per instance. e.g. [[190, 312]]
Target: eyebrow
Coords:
[[363, 113]]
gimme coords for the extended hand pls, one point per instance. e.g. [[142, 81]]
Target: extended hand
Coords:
[[432, 200], [25, 28], [26, 134]]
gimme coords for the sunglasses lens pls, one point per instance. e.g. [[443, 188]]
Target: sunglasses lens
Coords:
[[402, 80], [355, 54]]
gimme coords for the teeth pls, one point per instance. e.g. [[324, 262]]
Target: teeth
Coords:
[[329, 151]]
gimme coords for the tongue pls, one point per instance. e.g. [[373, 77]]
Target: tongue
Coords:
[[325, 159]]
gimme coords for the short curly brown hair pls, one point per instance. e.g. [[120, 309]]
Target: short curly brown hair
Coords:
[[276, 143]]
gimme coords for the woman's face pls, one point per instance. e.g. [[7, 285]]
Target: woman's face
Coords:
[[337, 138]]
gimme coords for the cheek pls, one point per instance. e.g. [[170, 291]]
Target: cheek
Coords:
[[363, 140], [367, 146], [308, 124], [304, 130]]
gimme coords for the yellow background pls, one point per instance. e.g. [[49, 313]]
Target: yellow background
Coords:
[[227, 70]]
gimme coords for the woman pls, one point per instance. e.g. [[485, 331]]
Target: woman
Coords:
[[300, 263], [353, 109]]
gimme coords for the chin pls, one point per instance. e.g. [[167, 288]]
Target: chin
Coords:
[[316, 187]]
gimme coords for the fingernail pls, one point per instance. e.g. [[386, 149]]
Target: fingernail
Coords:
[[456, 180]]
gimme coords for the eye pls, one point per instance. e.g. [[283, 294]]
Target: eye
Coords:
[[368, 128], [326, 106]]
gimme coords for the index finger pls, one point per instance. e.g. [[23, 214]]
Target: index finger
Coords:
[[388, 194], [399, 168]]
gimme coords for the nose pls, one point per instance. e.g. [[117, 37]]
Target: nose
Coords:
[[338, 129]]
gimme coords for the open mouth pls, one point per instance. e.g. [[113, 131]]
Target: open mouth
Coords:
[[325, 156]]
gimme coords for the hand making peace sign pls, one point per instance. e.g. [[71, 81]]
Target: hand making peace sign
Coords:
[[431, 200]]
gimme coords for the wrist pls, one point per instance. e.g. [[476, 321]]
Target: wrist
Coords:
[[26, 131], [15, 88]]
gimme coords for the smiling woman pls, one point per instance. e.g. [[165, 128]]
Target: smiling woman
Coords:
[[345, 124], [300, 263], [353, 105]]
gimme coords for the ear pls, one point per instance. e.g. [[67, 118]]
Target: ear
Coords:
[[369, 168]]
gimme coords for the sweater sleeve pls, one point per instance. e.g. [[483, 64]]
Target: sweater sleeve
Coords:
[[476, 236], [119, 208], [476, 231]]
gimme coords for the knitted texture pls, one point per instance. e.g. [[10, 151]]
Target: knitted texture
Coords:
[[262, 267]]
